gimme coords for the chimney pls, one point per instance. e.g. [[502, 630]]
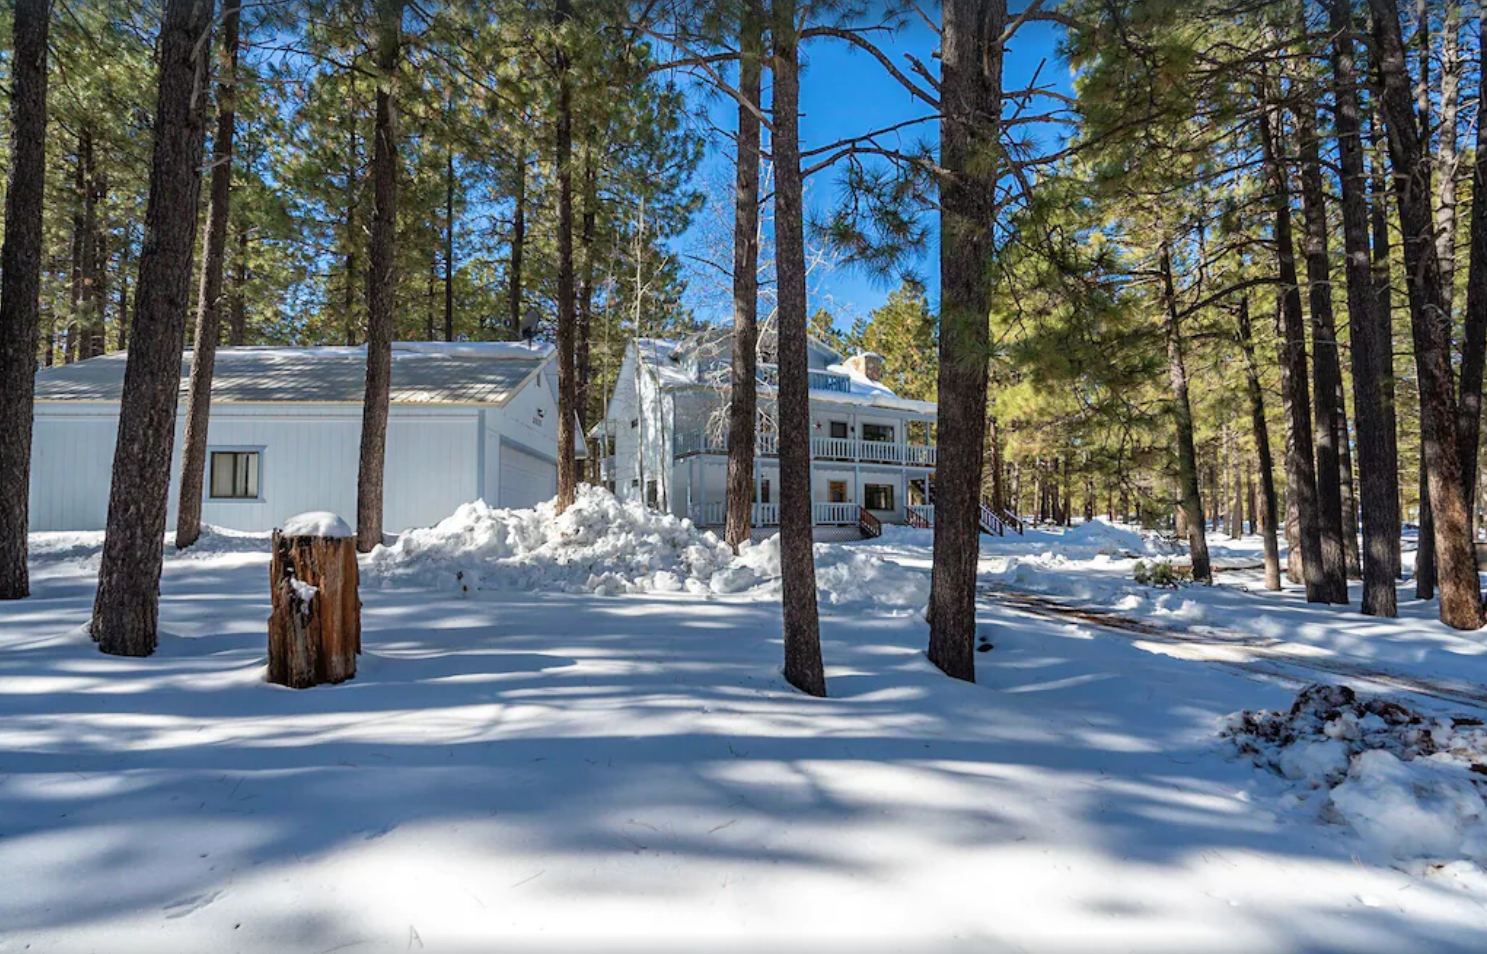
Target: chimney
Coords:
[[867, 364]]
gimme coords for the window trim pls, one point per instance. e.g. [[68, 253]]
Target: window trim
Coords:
[[206, 488], [831, 486], [866, 498]]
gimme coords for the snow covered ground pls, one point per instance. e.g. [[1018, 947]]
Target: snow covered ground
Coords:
[[525, 763]]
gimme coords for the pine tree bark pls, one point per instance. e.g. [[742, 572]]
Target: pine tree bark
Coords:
[[121, 340], [1182, 415], [352, 196], [1326, 370], [449, 182], [970, 126], [20, 285], [518, 247], [90, 303], [583, 346], [1349, 497], [1460, 603], [1474, 335], [803, 665], [1388, 425], [126, 610], [209, 303], [1301, 479], [381, 282], [743, 408], [563, 169], [1446, 151], [237, 321]]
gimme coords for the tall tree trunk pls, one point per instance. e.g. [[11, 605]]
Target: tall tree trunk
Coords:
[[381, 282], [352, 239], [20, 285], [73, 351], [743, 407], [126, 610], [1460, 604], [1446, 149], [449, 245], [563, 169], [121, 340], [583, 346], [970, 127], [1388, 424], [803, 666], [518, 247], [1474, 336], [90, 313], [237, 320], [1301, 479], [1326, 370], [1349, 497], [209, 304], [1182, 414], [1236, 512]]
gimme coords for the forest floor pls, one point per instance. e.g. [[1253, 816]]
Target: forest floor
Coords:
[[539, 770]]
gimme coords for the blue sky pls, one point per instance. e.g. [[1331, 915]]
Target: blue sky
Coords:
[[845, 92]]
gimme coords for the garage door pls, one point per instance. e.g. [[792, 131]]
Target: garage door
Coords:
[[526, 479]]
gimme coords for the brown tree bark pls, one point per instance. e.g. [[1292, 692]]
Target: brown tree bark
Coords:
[[1446, 149], [1301, 479], [970, 125], [237, 314], [20, 285], [1460, 603], [1191, 501], [126, 610], [209, 303], [1326, 370], [803, 666], [381, 282], [449, 182], [314, 624], [518, 247], [1349, 497], [90, 301], [352, 200], [121, 339], [583, 332], [563, 170], [743, 408], [1388, 425], [1474, 335]]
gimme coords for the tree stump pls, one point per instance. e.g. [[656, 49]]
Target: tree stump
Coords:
[[314, 625]]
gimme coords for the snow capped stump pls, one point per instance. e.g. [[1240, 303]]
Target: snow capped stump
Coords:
[[314, 625]]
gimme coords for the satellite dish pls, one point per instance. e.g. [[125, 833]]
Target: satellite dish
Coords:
[[529, 320]]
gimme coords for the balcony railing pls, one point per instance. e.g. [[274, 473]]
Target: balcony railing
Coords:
[[822, 448], [715, 514], [769, 374], [920, 515]]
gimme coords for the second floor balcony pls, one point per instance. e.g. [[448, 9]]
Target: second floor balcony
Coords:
[[851, 450], [769, 374]]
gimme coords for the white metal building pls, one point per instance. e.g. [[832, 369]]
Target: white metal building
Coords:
[[667, 435], [468, 421]]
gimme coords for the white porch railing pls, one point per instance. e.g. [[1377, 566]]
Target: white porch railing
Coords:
[[713, 514], [921, 515], [767, 444], [834, 513], [766, 515]]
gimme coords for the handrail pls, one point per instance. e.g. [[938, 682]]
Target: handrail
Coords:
[[990, 523], [921, 516], [870, 526]]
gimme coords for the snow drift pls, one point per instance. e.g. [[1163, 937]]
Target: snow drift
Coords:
[[1410, 786], [604, 546]]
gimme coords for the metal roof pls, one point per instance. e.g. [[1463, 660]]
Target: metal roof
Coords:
[[481, 373]]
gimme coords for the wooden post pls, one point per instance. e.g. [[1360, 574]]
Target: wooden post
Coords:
[[314, 625]]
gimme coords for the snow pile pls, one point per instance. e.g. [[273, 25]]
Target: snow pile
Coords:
[[316, 523], [1095, 537], [1410, 786], [598, 545], [603, 546]]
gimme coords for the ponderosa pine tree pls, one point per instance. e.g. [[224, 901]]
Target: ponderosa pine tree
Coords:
[[563, 172], [209, 303], [971, 48], [743, 407], [381, 281], [1261, 430], [1371, 346], [1182, 413], [1474, 335], [803, 666], [126, 610], [1460, 603], [20, 285]]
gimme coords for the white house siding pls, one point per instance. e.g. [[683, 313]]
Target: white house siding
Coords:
[[308, 461]]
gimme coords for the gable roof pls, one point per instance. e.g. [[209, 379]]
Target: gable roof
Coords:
[[458, 373]]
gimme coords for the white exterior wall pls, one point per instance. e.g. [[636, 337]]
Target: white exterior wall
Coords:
[[308, 461], [529, 422]]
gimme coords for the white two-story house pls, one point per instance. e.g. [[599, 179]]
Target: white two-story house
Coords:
[[665, 436]]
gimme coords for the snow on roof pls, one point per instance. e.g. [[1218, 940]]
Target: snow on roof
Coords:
[[863, 392], [484, 372]]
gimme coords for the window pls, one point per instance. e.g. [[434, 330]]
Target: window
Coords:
[[836, 491], [651, 498], [764, 491], [878, 496], [882, 433], [839, 430], [234, 475]]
